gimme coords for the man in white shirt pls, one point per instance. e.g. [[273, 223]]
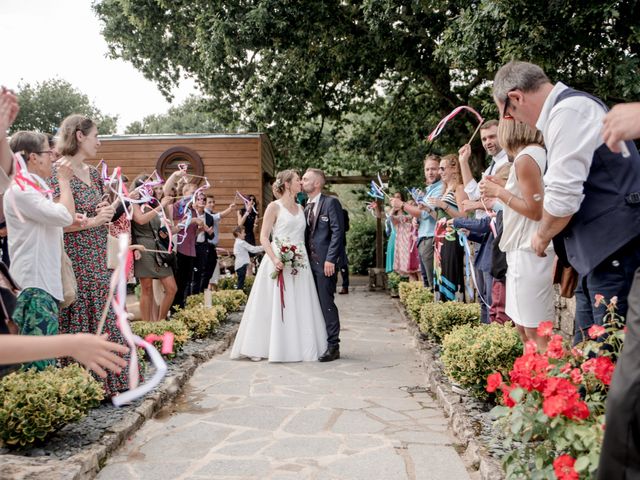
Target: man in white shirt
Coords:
[[489, 138], [592, 208]]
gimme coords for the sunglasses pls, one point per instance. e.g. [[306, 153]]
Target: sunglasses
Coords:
[[507, 104]]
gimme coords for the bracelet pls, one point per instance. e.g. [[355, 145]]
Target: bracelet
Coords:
[[509, 201]]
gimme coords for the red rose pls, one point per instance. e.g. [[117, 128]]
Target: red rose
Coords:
[[595, 331], [293, 248], [530, 371], [545, 329], [563, 468], [577, 410], [493, 382]]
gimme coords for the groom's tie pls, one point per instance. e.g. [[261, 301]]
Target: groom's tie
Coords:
[[311, 216]]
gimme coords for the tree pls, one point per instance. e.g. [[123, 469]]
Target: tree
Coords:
[[44, 105], [359, 85], [189, 117]]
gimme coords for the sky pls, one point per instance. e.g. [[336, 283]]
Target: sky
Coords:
[[44, 39]]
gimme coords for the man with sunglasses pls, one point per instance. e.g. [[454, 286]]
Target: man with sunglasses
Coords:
[[484, 279], [592, 212]]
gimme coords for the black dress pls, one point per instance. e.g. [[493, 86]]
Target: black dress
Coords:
[[450, 274], [249, 224]]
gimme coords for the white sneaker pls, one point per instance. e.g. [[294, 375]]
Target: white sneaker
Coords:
[[256, 359]]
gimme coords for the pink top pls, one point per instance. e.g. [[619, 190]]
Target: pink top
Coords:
[[188, 245]]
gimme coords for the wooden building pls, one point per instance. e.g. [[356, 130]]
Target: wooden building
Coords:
[[231, 162]]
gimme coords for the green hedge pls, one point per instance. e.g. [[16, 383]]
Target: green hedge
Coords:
[[33, 404], [231, 282], [361, 245], [200, 320], [231, 300], [406, 289], [393, 282], [471, 352], [179, 329], [416, 298], [437, 319]]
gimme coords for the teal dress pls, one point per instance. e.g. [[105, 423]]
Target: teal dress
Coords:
[[391, 244]]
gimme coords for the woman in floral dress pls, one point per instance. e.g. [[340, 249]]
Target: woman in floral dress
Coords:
[[86, 245]]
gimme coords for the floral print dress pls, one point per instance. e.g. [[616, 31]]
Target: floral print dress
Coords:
[[87, 250]]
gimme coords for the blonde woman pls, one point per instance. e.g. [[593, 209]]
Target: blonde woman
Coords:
[[282, 325], [529, 299], [449, 254]]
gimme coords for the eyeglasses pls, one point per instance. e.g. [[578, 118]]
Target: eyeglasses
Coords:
[[51, 153], [507, 103]]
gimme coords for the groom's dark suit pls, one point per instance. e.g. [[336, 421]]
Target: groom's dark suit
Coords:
[[324, 239]]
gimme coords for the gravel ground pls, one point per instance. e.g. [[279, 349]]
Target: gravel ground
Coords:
[[75, 437]]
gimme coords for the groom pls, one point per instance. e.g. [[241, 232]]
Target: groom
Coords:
[[324, 239]]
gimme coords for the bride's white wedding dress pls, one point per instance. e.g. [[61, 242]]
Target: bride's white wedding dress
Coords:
[[301, 335]]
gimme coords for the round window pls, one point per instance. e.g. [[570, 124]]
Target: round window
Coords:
[[170, 160]]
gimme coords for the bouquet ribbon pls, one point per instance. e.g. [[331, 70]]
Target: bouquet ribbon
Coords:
[[280, 281]]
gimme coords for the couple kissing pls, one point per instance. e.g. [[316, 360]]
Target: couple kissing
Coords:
[[291, 315]]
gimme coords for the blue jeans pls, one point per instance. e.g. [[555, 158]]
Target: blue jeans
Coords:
[[242, 275], [613, 277], [485, 284]]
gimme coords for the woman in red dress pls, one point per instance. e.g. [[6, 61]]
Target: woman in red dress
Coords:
[[86, 244]]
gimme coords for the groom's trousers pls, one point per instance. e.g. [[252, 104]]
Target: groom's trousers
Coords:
[[326, 287]]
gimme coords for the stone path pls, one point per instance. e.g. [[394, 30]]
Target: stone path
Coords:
[[361, 417]]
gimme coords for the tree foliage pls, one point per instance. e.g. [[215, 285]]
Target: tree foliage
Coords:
[[359, 85], [189, 117], [44, 105]]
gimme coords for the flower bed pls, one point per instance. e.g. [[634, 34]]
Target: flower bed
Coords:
[[550, 420]]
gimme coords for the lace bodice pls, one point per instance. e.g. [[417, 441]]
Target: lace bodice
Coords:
[[289, 227]]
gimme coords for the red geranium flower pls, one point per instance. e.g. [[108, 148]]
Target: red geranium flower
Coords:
[[554, 405], [493, 382], [576, 376], [530, 371], [555, 349], [506, 398], [595, 331], [545, 329], [599, 298], [563, 468]]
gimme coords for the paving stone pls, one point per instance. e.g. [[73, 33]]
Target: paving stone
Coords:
[[241, 468], [379, 464], [299, 446], [309, 421], [437, 463], [348, 420]]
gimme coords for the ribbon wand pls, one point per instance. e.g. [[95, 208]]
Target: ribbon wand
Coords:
[[474, 133]]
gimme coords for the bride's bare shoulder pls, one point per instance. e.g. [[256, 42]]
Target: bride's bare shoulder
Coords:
[[272, 208]]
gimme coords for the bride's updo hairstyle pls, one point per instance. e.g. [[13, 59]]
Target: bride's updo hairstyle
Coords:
[[282, 178]]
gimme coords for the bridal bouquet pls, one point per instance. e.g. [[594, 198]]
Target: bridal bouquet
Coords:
[[288, 254]]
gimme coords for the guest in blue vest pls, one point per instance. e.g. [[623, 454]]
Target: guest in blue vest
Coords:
[[620, 457], [592, 195]]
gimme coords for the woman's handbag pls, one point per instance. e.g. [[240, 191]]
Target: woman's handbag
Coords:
[[112, 252], [162, 256], [69, 283]]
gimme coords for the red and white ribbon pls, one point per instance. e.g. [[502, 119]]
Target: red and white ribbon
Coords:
[[445, 120]]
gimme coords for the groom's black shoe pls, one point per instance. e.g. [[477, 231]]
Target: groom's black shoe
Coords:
[[332, 353]]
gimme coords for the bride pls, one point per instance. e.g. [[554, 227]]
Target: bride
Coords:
[[296, 332]]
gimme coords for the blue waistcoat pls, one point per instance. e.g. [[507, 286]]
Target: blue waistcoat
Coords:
[[609, 215]]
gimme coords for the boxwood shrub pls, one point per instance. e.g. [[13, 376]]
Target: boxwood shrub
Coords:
[[178, 328], [471, 352], [200, 320], [438, 319], [33, 404]]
